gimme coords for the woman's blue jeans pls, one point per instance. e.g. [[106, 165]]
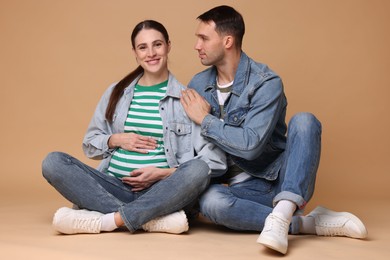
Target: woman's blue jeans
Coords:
[[90, 189], [245, 205]]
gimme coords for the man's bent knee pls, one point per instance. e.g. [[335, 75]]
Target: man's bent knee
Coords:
[[305, 121]]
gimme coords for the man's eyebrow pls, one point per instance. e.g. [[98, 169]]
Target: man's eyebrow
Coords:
[[201, 35]]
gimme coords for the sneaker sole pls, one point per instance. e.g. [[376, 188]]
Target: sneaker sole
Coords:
[[324, 211], [272, 244]]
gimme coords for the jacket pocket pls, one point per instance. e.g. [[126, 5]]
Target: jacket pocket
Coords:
[[237, 116], [180, 138]]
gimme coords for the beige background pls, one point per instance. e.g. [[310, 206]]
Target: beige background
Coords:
[[57, 58]]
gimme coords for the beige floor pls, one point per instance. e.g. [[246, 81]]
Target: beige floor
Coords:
[[26, 233]]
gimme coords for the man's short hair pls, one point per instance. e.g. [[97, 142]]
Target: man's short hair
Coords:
[[227, 21]]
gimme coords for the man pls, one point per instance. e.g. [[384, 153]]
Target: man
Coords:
[[241, 108]]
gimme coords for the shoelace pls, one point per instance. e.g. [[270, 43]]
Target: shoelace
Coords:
[[90, 225], [282, 228], [157, 224]]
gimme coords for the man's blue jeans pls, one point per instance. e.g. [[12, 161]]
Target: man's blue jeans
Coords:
[[90, 189], [245, 205]]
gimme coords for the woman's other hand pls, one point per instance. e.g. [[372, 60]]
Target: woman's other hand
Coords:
[[143, 178], [132, 142]]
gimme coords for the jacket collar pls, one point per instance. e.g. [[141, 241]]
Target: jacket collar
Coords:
[[240, 79], [173, 88]]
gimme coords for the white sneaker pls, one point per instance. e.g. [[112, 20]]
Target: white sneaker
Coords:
[[275, 233], [174, 223], [331, 223], [71, 221]]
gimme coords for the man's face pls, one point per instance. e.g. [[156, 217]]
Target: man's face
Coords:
[[209, 44]]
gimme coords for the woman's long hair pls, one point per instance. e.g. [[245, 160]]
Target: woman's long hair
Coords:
[[117, 92]]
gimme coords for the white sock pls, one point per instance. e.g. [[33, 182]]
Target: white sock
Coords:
[[286, 208], [108, 222], [307, 225]]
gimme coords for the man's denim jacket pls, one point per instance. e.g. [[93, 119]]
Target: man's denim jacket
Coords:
[[182, 138], [253, 129]]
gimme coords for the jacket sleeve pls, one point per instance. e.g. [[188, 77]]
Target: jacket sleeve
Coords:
[[246, 131], [95, 143], [208, 152]]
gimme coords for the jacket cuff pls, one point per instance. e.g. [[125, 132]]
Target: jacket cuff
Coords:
[[207, 121]]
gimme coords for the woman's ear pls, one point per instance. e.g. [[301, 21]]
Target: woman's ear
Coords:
[[169, 46], [135, 55]]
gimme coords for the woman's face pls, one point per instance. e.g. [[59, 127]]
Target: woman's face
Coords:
[[151, 51]]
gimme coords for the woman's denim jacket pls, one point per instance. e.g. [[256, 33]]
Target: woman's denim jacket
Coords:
[[253, 130], [182, 138]]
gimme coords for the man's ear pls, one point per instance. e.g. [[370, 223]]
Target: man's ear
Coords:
[[229, 41]]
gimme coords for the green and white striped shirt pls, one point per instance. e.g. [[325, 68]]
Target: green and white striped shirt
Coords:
[[144, 119]]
